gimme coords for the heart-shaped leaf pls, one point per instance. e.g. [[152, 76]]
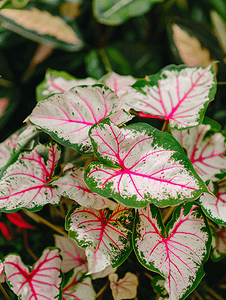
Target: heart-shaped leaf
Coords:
[[178, 94], [72, 185], [42, 282], [215, 207], [59, 81], [105, 234], [25, 183], [207, 154], [72, 255], [124, 288], [68, 117], [77, 286], [179, 254], [140, 164]]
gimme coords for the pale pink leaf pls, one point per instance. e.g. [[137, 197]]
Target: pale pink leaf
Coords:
[[25, 183], [215, 207], [59, 81], [206, 154], [72, 255], [73, 186], [121, 85], [41, 282], [67, 117], [105, 234], [179, 254], [140, 164], [178, 94], [78, 287], [108, 270], [125, 288]]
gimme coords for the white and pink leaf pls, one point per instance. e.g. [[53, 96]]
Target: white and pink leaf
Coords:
[[72, 255], [215, 207], [140, 164], [78, 286], [59, 82], [207, 154], [178, 94], [105, 234], [73, 186], [67, 117], [179, 254], [25, 183], [43, 281]]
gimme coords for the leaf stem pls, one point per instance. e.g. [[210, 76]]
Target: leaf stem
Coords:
[[164, 126], [30, 252], [148, 275], [212, 292], [39, 219], [105, 59], [4, 292], [102, 290], [221, 83], [168, 214], [198, 295]]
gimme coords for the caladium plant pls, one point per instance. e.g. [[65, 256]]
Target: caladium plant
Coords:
[[117, 184]]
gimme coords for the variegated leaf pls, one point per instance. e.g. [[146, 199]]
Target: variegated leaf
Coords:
[[72, 255], [25, 183], [108, 270], [207, 154], [140, 164], [218, 243], [72, 185], [42, 282], [105, 234], [14, 142], [178, 94], [124, 288], [67, 117], [215, 207], [78, 286], [179, 254], [59, 81], [121, 85], [158, 284]]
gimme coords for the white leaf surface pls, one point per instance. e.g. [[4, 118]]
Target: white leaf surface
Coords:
[[206, 154], [73, 186]]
